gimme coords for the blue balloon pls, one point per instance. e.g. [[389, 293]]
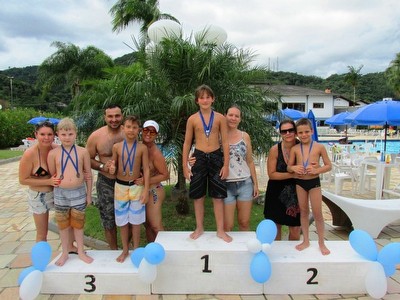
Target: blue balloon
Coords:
[[266, 231], [389, 257], [363, 244], [154, 253], [260, 268], [24, 273], [389, 270], [137, 256], [41, 255]]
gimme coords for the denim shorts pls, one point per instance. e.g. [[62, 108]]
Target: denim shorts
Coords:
[[40, 202], [239, 190]]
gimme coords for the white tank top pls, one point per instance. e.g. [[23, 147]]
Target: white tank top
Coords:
[[238, 168]]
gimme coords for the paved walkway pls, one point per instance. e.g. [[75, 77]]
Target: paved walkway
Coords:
[[17, 236]]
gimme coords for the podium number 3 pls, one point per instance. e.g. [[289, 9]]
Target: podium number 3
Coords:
[[206, 269], [90, 282]]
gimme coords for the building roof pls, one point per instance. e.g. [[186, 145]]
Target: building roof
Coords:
[[293, 90]]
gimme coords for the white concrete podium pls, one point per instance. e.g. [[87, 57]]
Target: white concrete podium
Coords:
[[209, 265], [104, 276], [309, 272]]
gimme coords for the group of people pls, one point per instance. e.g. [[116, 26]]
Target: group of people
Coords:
[[294, 183], [130, 175], [60, 177]]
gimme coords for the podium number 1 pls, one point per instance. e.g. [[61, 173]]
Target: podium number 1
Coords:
[[206, 257]]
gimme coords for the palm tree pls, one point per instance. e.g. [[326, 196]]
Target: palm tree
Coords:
[[393, 74], [145, 12], [69, 65], [161, 86], [353, 78]]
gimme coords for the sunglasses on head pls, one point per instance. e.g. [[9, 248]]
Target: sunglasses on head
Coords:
[[286, 131], [148, 131], [44, 124]]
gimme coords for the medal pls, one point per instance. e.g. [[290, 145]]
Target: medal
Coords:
[[207, 128], [74, 163], [305, 163], [130, 159]]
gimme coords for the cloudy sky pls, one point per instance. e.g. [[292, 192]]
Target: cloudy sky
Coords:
[[312, 37]]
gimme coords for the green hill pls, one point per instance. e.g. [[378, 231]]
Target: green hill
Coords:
[[371, 87]]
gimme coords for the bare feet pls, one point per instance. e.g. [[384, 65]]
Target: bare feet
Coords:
[[302, 246], [196, 234], [324, 249], [61, 261], [87, 259], [123, 256], [224, 236]]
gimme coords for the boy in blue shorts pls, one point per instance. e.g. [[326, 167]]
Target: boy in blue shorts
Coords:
[[209, 129], [129, 157]]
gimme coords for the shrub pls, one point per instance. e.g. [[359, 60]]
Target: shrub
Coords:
[[14, 125]]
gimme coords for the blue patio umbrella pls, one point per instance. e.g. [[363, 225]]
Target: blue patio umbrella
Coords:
[[293, 114], [338, 119], [385, 112], [311, 117], [37, 120]]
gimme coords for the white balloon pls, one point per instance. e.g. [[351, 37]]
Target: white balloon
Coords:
[[31, 285], [375, 281], [212, 34], [254, 245], [266, 247], [163, 29], [147, 271]]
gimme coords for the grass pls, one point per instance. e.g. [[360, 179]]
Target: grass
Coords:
[[171, 219], [4, 153]]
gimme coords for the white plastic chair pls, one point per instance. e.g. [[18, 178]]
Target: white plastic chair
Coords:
[[344, 173]]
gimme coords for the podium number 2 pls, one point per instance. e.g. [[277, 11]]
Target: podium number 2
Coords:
[[206, 270], [314, 274], [90, 282]]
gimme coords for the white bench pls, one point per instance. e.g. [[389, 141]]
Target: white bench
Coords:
[[368, 215]]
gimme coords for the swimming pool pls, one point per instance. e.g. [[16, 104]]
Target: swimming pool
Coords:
[[392, 146]]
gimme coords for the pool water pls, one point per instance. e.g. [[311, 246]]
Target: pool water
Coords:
[[392, 146]]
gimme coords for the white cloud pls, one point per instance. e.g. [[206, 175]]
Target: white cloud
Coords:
[[314, 37]]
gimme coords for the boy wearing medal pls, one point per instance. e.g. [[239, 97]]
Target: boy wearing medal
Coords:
[[129, 160], [209, 130], [71, 163], [304, 160]]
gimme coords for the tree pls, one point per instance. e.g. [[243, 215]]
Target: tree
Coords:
[[161, 86], [353, 78], [393, 74], [69, 65], [145, 12]]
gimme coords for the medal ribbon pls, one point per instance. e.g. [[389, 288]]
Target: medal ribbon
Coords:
[[207, 128], [305, 164], [74, 163], [131, 158]]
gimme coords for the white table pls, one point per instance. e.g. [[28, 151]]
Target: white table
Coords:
[[382, 175]]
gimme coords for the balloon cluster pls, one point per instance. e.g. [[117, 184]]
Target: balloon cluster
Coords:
[[30, 279], [385, 261], [260, 266], [146, 260]]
